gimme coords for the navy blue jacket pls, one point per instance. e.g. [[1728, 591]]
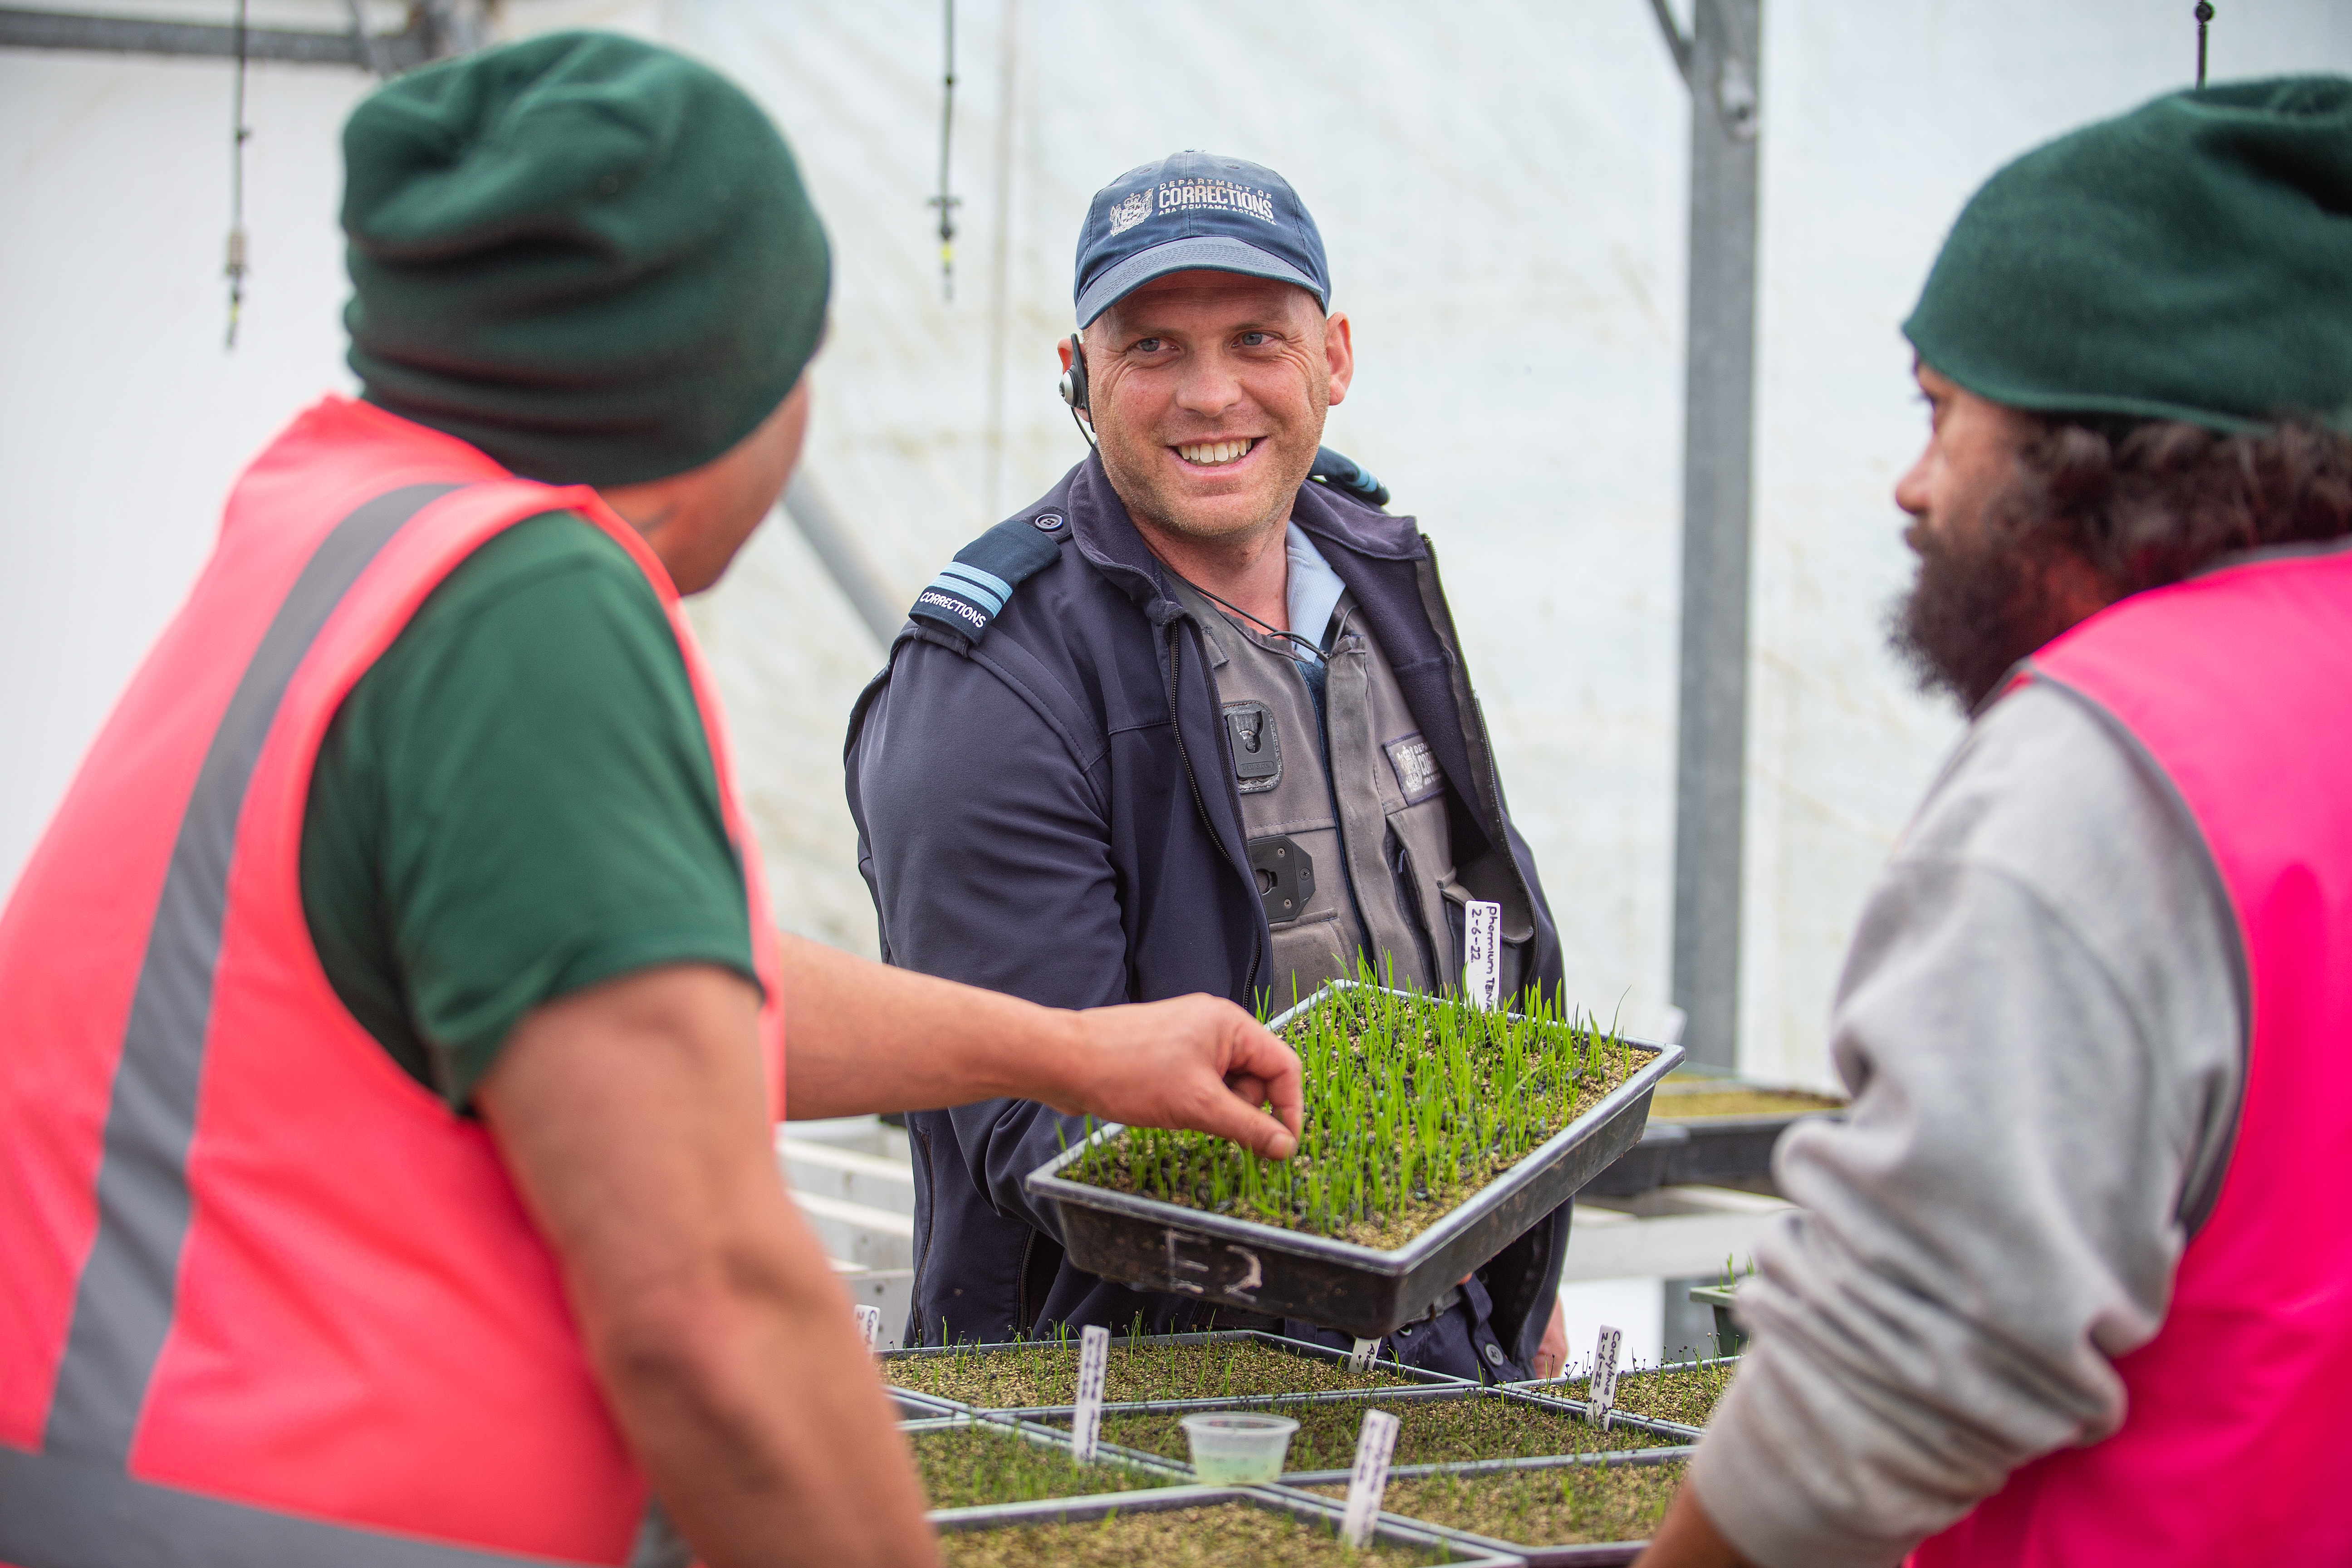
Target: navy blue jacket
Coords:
[[1045, 807]]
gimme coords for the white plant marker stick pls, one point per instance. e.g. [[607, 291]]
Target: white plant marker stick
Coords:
[[869, 1328], [1093, 1362], [1482, 952], [1361, 1358], [1374, 1445], [1600, 1394]]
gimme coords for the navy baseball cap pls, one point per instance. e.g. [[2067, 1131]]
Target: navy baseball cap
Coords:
[[1195, 212]]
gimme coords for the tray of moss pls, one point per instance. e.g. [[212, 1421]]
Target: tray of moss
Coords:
[[1575, 1513], [1436, 1133], [1706, 1125], [1201, 1369], [1195, 1526], [1683, 1392], [965, 1462], [1434, 1427]]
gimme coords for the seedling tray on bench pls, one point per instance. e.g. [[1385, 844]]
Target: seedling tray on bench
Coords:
[[1053, 1365], [1680, 1393], [1037, 1466], [1410, 1489], [1367, 1292], [1406, 1540], [1687, 1143], [1432, 1435]]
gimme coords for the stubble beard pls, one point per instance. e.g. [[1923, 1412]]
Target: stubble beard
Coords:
[[1983, 601], [1163, 508]]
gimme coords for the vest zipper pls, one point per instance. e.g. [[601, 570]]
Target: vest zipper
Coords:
[[1176, 725]]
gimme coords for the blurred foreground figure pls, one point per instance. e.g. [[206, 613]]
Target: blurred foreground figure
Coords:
[[1196, 718], [2073, 1283], [391, 1024]]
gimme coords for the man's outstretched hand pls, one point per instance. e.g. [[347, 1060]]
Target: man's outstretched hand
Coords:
[[1192, 1061]]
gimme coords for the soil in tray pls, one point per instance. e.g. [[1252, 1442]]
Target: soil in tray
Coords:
[[1684, 1393], [1676, 1103], [1047, 1373], [1568, 1505], [1414, 1104], [1211, 1537], [1429, 1432], [972, 1465]]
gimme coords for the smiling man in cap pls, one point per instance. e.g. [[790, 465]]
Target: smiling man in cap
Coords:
[[1194, 719], [2072, 1282]]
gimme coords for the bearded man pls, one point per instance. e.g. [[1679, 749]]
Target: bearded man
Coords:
[[1193, 721], [2071, 1284]]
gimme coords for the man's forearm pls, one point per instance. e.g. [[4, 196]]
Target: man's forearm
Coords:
[[1689, 1538], [634, 1121], [760, 1420], [862, 1037]]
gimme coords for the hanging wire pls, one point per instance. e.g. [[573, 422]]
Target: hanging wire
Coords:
[[2204, 15], [946, 202], [240, 131]]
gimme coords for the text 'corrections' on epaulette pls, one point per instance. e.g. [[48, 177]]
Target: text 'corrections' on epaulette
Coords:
[[971, 590]]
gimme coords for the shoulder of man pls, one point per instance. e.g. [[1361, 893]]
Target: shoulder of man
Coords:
[[972, 591]]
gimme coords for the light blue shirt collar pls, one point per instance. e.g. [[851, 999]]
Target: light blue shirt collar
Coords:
[[1314, 588]]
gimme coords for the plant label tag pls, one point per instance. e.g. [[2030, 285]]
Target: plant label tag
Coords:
[[1370, 1479], [1093, 1362], [1482, 954], [1361, 1358], [1600, 1394], [869, 1328]]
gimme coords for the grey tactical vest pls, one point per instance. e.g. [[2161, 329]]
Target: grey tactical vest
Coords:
[[1352, 856]]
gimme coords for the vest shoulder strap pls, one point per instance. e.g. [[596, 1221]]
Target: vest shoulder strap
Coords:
[[973, 590]]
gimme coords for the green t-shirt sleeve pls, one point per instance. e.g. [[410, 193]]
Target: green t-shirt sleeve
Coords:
[[517, 801]]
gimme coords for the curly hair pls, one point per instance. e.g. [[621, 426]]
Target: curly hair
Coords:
[[2147, 503]]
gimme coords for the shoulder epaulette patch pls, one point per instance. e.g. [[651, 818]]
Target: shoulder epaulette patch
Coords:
[[1338, 471], [973, 590]]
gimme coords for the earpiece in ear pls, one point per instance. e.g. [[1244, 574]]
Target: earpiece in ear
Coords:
[[1074, 380]]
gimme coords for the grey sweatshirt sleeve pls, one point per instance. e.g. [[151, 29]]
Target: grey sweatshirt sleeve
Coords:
[[2040, 1024]]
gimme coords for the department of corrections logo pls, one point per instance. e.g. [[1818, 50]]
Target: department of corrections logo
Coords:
[[1179, 196], [1129, 213]]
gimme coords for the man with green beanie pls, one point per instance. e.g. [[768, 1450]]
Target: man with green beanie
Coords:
[[2072, 1282], [392, 1024]]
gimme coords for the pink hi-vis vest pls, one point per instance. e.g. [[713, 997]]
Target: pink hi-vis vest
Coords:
[[263, 1299], [2239, 686]]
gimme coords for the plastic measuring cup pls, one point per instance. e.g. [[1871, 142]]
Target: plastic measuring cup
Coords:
[[1230, 1447]]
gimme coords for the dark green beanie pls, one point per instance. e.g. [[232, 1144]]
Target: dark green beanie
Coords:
[[2191, 261], [590, 257]]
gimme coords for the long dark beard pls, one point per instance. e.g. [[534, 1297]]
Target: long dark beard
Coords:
[[1980, 604]]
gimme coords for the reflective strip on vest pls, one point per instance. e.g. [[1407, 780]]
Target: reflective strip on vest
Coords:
[[124, 1305], [55, 1513]]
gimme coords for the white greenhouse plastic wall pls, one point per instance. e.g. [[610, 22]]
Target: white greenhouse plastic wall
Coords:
[[1502, 189]]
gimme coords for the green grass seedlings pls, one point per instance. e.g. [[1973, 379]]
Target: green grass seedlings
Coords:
[[1571, 1506], [970, 1465], [1414, 1103], [1449, 1431], [1217, 1536], [1685, 1393], [1045, 1372]]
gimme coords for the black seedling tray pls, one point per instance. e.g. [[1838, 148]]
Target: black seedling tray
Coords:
[[1468, 1550], [1158, 1246], [1618, 1421], [1583, 1555], [1219, 1336], [1704, 1149], [1040, 1418], [1048, 1438]]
